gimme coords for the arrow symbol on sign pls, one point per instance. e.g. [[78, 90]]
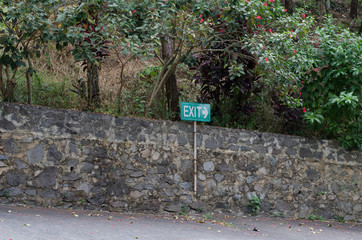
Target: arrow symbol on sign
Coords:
[[205, 112]]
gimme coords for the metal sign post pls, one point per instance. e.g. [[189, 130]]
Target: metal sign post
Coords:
[[195, 112]]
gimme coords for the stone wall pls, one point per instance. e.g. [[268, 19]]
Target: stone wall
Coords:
[[70, 158]]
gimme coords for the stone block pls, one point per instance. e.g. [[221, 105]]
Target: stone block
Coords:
[[15, 178], [35, 155], [208, 166], [53, 154], [219, 177], [47, 178], [117, 188]]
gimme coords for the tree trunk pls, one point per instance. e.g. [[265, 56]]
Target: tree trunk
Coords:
[[28, 75], [328, 6], [172, 94], [7, 83], [92, 85], [288, 4], [354, 9]]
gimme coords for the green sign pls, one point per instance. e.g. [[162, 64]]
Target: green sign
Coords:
[[195, 112]]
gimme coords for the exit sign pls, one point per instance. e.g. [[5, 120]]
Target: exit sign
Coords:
[[195, 112]]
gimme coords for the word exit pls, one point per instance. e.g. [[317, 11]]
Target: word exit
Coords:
[[195, 112]]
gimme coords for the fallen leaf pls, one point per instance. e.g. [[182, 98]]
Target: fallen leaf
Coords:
[[110, 217], [255, 230], [131, 222], [209, 228], [9, 211], [76, 215], [28, 225], [218, 231], [1, 220], [37, 215], [299, 230]]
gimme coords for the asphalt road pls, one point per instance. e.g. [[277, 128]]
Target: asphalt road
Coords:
[[22, 222]]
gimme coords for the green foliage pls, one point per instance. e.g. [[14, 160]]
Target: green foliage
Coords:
[[340, 219], [254, 203], [208, 216], [313, 217], [184, 210], [5, 193]]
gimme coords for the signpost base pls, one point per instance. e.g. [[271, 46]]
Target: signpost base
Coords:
[[195, 160]]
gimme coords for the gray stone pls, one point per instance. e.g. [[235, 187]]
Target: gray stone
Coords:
[[208, 166], [251, 167], [312, 174], [237, 197], [86, 167], [138, 187], [241, 178], [219, 177], [146, 153], [119, 204], [186, 164], [20, 164], [161, 169], [211, 143], [48, 193], [244, 148], [182, 140], [262, 171], [251, 179], [70, 177], [136, 174], [304, 211], [175, 207], [4, 157], [305, 153], [13, 192], [85, 187], [291, 152], [223, 167], [10, 146], [73, 148], [186, 185], [349, 218], [72, 162], [136, 194], [7, 125], [201, 176], [282, 206], [188, 175], [15, 178], [100, 152], [260, 149], [35, 155], [198, 206], [345, 207], [211, 184], [47, 178], [357, 208], [98, 198], [273, 161], [53, 154], [30, 192], [117, 188]]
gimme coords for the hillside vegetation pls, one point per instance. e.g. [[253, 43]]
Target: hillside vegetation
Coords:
[[291, 67]]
